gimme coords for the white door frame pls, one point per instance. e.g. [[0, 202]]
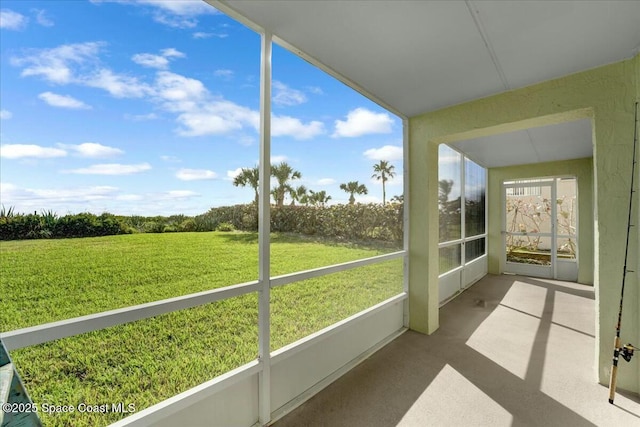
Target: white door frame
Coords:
[[568, 269]]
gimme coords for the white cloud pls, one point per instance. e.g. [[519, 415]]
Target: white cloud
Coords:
[[231, 175], [97, 199], [20, 151], [80, 64], [54, 65], [289, 126], [5, 114], [92, 150], [203, 35], [278, 159], [195, 174], [172, 53], [182, 7], [160, 62], [118, 85], [326, 181], [449, 158], [175, 21], [179, 194], [178, 13], [224, 73], [12, 193], [141, 117], [199, 124], [42, 19], [286, 96], [246, 140], [388, 152], [150, 60], [111, 169], [130, 197], [170, 159], [196, 110], [63, 101], [315, 90], [10, 20], [179, 93], [363, 122], [174, 13]]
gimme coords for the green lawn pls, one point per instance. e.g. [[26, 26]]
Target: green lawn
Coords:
[[147, 361]]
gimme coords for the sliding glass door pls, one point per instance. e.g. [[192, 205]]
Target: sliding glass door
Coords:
[[462, 222]]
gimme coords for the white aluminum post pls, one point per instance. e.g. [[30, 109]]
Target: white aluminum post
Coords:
[[554, 229], [264, 214], [405, 219], [486, 213], [463, 221]]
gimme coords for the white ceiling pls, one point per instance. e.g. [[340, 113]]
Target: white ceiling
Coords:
[[571, 140], [418, 56]]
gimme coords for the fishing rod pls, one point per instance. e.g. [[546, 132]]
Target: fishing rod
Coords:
[[627, 350]]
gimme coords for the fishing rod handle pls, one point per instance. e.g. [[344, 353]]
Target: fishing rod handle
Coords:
[[614, 370]]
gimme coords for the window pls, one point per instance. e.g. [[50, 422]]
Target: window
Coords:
[[462, 209]]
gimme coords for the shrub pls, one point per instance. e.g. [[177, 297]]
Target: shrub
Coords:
[[153, 227], [188, 225], [225, 226]]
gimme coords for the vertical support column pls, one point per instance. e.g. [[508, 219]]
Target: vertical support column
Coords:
[[423, 240], [554, 228], [264, 226], [486, 214], [405, 218], [463, 220]]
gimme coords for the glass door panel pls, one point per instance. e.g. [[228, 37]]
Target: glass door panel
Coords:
[[540, 228]]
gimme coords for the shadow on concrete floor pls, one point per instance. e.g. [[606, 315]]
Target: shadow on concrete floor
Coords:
[[510, 350]]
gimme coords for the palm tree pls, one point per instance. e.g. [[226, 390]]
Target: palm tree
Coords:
[[318, 198], [382, 172], [398, 199], [444, 189], [353, 187], [250, 177], [283, 173], [299, 195]]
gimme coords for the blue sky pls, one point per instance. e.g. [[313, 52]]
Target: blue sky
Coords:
[[151, 107]]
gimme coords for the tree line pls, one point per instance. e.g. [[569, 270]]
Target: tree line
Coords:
[[284, 176]]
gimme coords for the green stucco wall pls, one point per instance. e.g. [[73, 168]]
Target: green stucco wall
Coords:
[[606, 95], [582, 169]]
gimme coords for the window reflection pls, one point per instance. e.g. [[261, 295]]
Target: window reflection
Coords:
[[474, 195], [449, 169], [461, 206]]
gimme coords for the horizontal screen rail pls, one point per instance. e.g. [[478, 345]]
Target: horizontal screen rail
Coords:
[[40, 334], [469, 239], [33, 335], [322, 271]]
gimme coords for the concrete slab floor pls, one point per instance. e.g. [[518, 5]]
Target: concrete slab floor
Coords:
[[510, 351]]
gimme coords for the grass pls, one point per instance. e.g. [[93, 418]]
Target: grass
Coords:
[[147, 361]]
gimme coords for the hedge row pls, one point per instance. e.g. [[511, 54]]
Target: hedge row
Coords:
[[353, 222], [48, 225]]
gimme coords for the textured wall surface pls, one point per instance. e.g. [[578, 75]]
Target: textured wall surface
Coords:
[[606, 95]]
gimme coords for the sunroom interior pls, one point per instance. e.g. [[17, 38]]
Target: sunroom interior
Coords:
[[525, 91]]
